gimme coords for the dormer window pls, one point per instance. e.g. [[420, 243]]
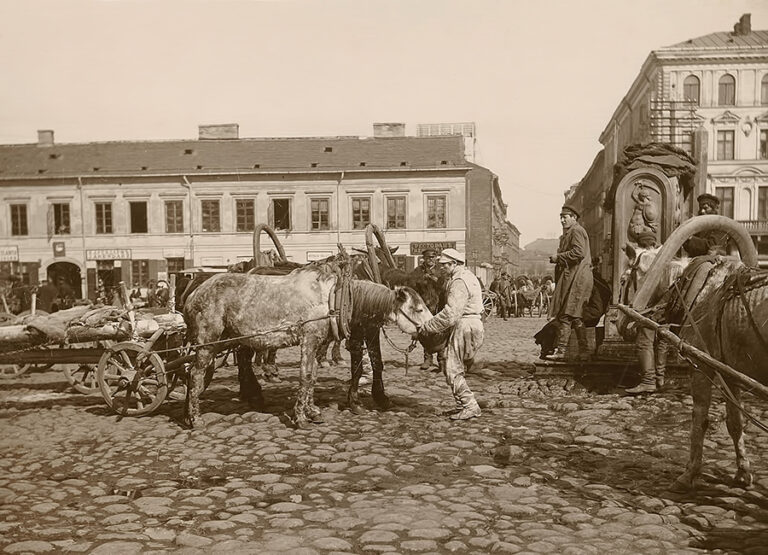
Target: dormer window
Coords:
[[328, 149], [188, 151]]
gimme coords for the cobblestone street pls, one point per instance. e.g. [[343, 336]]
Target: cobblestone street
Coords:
[[548, 468]]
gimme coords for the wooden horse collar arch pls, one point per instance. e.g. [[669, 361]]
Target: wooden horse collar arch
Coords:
[[371, 231], [275, 241], [674, 243]]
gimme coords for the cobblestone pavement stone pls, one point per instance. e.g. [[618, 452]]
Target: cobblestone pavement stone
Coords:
[[548, 467]]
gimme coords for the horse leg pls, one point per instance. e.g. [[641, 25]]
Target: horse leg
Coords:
[[250, 388], [701, 391], [322, 355], [373, 345], [336, 353], [307, 375], [205, 359], [734, 421], [355, 345]]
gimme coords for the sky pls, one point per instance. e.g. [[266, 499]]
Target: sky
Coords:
[[539, 78]]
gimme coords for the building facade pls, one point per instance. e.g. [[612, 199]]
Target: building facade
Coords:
[[708, 96], [135, 211]]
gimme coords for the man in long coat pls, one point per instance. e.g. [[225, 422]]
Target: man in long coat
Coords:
[[573, 284]]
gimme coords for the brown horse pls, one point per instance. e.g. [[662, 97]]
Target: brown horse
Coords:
[[263, 312]]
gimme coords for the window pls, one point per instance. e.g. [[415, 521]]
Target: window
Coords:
[[281, 213], [762, 203], [174, 216], [726, 91], [319, 209], [210, 215], [436, 212], [361, 212], [103, 217], [725, 145], [764, 90], [61, 219], [19, 219], [763, 155], [139, 217], [725, 194], [244, 209], [175, 264], [396, 213], [691, 89], [140, 271]]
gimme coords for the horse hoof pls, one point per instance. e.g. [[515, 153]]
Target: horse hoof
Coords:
[[742, 479], [383, 402], [357, 409], [325, 364], [681, 486]]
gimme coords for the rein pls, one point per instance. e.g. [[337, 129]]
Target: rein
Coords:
[[407, 351]]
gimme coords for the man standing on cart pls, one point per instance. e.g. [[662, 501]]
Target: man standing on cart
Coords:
[[573, 284]]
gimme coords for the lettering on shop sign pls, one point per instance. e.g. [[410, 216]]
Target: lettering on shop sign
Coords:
[[9, 254], [318, 255], [418, 248], [108, 254]]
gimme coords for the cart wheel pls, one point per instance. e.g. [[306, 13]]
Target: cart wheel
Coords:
[[487, 305], [131, 386], [8, 371], [83, 378]]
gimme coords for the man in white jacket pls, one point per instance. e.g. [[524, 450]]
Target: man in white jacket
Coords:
[[461, 315]]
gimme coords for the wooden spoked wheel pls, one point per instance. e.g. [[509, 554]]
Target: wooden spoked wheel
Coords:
[[9, 371], [131, 380], [488, 304], [83, 378]]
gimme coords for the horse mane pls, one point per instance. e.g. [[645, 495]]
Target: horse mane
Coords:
[[371, 302]]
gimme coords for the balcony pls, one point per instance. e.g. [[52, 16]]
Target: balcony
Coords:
[[755, 227]]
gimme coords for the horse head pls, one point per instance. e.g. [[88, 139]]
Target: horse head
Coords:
[[410, 310]]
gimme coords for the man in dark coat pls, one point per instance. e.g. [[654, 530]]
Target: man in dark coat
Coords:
[[501, 286], [573, 284], [46, 295]]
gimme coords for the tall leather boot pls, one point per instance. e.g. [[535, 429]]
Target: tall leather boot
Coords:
[[581, 336], [646, 355], [563, 336], [464, 395]]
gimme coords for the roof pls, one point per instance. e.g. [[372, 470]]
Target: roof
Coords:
[[219, 155], [723, 40]]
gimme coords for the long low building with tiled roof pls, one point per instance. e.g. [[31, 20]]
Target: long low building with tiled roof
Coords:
[[136, 210]]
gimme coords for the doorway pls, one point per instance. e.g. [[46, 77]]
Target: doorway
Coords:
[[66, 275]]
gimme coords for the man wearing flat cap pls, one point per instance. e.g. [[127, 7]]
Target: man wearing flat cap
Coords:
[[461, 315], [710, 242], [573, 284], [428, 268]]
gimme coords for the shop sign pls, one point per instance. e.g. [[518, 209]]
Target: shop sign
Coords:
[[9, 254], [108, 254], [59, 248], [318, 255], [418, 248]]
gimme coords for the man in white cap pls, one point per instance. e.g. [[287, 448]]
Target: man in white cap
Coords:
[[461, 315]]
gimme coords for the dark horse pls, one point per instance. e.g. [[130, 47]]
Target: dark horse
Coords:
[[262, 312], [365, 333]]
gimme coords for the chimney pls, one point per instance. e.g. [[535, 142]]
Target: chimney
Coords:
[[389, 130], [744, 26], [45, 137], [219, 131]]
